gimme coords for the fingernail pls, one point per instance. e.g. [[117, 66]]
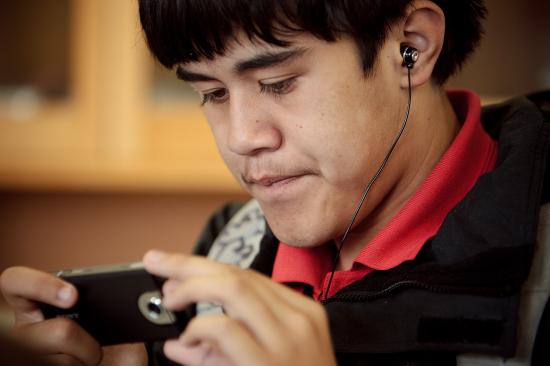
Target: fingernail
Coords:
[[65, 294], [154, 256]]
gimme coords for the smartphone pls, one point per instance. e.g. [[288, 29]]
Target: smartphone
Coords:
[[120, 304]]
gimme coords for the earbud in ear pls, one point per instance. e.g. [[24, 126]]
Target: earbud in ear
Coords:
[[410, 56]]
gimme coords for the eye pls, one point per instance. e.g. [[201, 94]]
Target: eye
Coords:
[[216, 96], [279, 87]]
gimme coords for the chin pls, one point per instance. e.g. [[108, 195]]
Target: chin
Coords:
[[301, 223], [297, 234]]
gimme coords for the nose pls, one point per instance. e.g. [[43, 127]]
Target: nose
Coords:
[[252, 127]]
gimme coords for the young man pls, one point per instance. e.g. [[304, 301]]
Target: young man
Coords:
[[309, 104]]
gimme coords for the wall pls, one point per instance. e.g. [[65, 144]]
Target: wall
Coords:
[[55, 230]]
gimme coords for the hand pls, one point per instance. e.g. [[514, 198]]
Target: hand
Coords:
[[124, 355], [60, 340], [265, 323]]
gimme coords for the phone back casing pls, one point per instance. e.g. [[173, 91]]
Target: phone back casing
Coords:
[[107, 307]]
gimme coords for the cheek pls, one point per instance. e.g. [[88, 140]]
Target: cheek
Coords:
[[339, 137], [354, 131]]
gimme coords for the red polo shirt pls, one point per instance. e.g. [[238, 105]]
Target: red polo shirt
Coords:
[[471, 154]]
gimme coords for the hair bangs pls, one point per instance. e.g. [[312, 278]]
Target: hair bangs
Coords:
[[186, 31], [179, 31]]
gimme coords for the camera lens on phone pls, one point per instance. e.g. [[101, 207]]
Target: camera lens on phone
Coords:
[[150, 306], [154, 308]]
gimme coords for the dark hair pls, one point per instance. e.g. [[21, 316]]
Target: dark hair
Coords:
[[178, 31]]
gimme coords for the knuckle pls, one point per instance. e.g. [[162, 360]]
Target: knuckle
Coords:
[[302, 325], [227, 327], [19, 332], [236, 283], [192, 326], [179, 260], [7, 277], [319, 312], [275, 360], [232, 269], [64, 330], [66, 360]]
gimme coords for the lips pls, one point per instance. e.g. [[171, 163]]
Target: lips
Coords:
[[267, 181], [276, 188]]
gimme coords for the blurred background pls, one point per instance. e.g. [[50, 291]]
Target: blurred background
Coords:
[[104, 155]]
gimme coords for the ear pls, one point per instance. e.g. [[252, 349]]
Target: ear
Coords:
[[424, 29]]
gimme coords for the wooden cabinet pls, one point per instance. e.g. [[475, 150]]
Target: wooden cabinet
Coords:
[[109, 132]]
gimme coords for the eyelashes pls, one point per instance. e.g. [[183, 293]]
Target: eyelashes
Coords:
[[276, 89], [217, 96]]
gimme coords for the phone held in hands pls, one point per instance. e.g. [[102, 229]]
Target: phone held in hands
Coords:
[[120, 304]]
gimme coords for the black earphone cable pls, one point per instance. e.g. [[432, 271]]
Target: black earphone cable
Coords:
[[371, 183]]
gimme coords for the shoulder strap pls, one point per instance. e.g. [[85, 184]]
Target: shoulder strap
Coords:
[[238, 243]]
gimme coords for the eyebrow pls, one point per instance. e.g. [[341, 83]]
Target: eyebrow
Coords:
[[189, 76], [260, 61], [268, 59]]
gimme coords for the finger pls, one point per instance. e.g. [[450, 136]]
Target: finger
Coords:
[[228, 336], [294, 302], [270, 310], [239, 291], [133, 354], [180, 266], [22, 287], [301, 314], [180, 269], [187, 355], [286, 294], [202, 354], [60, 335], [62, 360], [245, 295], [240, 298], [169, 286]]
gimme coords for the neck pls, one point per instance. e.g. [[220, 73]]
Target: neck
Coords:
[[431, 128]]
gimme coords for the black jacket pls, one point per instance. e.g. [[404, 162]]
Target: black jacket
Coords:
[[461, 293]]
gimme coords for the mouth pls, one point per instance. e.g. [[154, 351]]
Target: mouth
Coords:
[[268, 181], [271, 188]]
